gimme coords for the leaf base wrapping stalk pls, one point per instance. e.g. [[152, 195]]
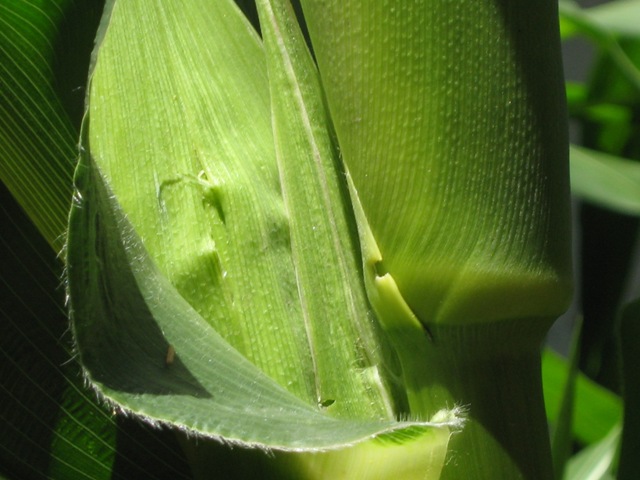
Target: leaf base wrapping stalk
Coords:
[[493, 372]]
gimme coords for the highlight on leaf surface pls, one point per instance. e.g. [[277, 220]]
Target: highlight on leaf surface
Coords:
[[458, 151]]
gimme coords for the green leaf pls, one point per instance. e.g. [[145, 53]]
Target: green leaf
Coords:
[[127, 316], [562, 436], [227, 335], [317, 205], [201, 182], [596, 410], [37, 138], [208, 199], [619, 17], [596, 461], [604, 31], [450, 119], [567, 9], [607, 180]]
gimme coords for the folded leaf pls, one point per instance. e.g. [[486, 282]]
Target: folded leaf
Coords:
[[319, 213], [201, 184], [147, 350], [213, 277]]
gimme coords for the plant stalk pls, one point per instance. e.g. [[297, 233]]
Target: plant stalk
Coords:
[[493, 373]]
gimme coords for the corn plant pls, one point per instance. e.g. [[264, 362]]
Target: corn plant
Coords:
[[315, 239]]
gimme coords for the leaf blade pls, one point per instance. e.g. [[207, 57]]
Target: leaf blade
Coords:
[[220, 393], [328, 276], [605, 179], [37, 139]]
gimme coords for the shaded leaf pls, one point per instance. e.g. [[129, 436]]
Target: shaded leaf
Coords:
[[562, 432], [629, 463], [37, 138], [50, 426], [207, 200], [596, 410]]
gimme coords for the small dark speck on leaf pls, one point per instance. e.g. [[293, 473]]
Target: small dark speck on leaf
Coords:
[[171, 355]]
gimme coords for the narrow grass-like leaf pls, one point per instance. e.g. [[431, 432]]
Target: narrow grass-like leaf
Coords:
[[37, 139], [328, 275], [578, 21], [316, 199], [620, 17], [597, 461], [607, 180], [562, 436], [596, 411], [202, 185]]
